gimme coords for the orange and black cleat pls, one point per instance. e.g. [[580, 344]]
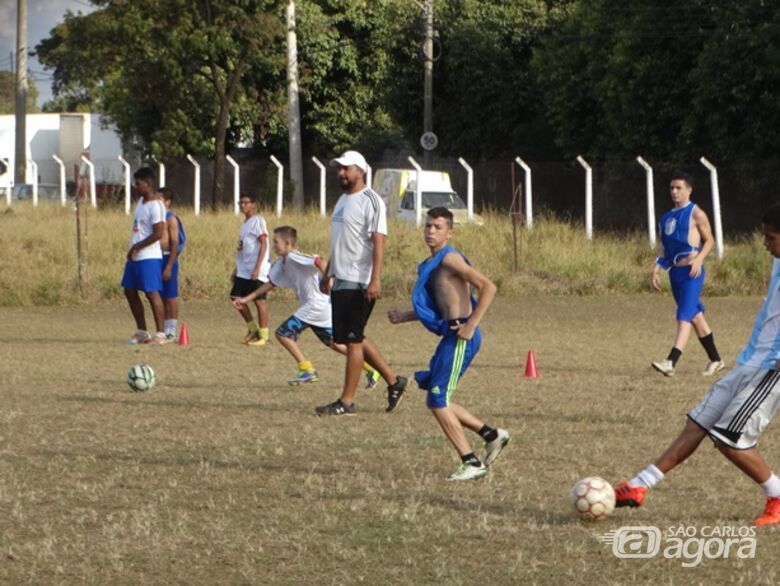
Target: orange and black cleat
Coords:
[[771, 514], [629, 496]]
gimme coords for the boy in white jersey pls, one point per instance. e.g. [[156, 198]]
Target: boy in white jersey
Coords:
[[143, 268], [357, 245], [301, 272], [738, 407], [253, 260]]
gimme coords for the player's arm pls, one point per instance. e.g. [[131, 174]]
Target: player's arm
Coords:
[[260, 257], [239, 302], [487, 291], [396, 316], [702, 223], [157, 232], [377, 257], [172, 226], [325, 279]]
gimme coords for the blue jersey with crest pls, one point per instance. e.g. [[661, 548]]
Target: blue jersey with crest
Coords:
[[675, 228]]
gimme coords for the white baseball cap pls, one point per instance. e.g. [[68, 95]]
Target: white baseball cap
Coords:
[[350, 158]]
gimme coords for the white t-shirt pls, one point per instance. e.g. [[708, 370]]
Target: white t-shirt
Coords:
[[299, 271], [763, 348], [355, 218], [252, 230], [146, 216]]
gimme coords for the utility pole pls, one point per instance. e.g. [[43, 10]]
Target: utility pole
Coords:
[[20, 163], [428, 56], [294, 111]]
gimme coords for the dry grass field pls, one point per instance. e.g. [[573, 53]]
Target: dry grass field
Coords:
[[223, 475]]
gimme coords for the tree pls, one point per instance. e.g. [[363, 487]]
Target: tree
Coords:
[[8, 94]]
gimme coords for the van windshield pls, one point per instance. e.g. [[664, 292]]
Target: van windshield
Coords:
[[433, 199]]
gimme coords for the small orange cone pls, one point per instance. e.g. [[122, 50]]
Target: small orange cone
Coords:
[[530, 366], [184, 336]]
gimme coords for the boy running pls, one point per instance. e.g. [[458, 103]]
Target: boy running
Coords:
[[173, 244], [252, 263], [738, 407], [442, 301], [301, 272]]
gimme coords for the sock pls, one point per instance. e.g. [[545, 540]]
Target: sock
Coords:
[[674, 355], [252, 326], [709, 346], [367, 367], [306, 365], [170, 327], [648, 477], [488, 433], [263, 333], [471, 460], [771, 487]]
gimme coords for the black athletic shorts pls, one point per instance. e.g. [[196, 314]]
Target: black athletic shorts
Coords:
[[243, 287], [351, 311]]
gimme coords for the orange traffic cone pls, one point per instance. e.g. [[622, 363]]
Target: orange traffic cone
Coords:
[[184, 336], [530, 366]]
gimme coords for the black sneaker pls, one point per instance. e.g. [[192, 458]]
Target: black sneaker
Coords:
[[395, 393], [335, 408]]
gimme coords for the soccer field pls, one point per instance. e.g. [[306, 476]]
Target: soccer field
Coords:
[[223, 475]]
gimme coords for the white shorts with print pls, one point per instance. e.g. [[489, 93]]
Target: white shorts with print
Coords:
[[738, 407]]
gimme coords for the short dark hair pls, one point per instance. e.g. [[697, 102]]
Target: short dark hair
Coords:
[[288, 233], [771, 217], [167, 193], [248, 196], [682, 175], [145, 174], [441, 212]]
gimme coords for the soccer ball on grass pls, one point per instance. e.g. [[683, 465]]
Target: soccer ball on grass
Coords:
[[141, 377], [593, 498]]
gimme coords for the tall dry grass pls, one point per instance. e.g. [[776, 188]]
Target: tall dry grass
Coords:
[[38, 265]]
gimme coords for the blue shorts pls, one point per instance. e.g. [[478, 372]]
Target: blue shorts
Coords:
[[143, 275], [170, 288], [292, 327], [687, 292], [450, 361]]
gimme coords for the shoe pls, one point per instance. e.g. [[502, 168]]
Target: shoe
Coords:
[[771, 514], [665, 367], [335, 408], [395, 393], [303, 376], [713, 367], [468, 472], [250, 337], [171, 338], [372, 378], [257, 342], [629, 496], [140, 338], [160, 339], [493, 449]]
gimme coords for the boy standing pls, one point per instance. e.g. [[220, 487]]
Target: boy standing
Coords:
[[173, 244], [252, 263], [301, 272], [143, 267], [442, 301], [738, 407]]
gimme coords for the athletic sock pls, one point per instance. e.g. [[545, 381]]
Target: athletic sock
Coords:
[[487, 433], [674, 355], [263, 333], [306, 365], [771, 487], [709, 346], [252, 326], [367, 367], [471, 460], [648, 477]]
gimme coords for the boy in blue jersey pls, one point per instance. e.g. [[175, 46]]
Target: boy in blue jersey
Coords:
[[687, 239], [442, 302], [737, 409], [172, 245]]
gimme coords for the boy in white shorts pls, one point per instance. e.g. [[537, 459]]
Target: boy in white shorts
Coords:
[[302, 272], [738, 407]]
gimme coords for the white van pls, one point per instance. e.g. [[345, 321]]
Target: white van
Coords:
[[397, 188]]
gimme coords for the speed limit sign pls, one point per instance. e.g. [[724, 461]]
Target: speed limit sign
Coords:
[[429, 141]]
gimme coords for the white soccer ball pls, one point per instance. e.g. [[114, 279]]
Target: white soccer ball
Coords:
[[593, 498], [141, 377]]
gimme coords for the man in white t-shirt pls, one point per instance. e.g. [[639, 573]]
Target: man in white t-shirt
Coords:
[[302, 272], [253, 260], [143, 268], [357, 244]]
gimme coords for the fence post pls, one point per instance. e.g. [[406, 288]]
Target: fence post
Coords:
[[588, 197], [715, 205], [160, 172], [126, 166], [322, 184], [417, 192], [196, 186], [236, 183], [92, 191], [8, 173], [34, 171], [469, 189], [63, 195], [650, 200], [279, 186], [529, 205]]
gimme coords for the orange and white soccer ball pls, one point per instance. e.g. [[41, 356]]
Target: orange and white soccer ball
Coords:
[[593, 498]]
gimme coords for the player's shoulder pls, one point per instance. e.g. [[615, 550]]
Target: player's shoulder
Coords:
[[370, 197]]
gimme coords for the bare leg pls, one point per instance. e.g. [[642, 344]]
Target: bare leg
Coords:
[[292, 347], [451, 426], [157, 310], [245, 312], [701, 326], [136, 308], [682, 447], [749, 461], [466, 418], [262, 312], [375, 359], [353, 371], [171, 308], [683, 334]]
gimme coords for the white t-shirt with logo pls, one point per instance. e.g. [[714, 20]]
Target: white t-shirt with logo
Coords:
[[299, 271], [146, 216], [356, 218], [252, 230]]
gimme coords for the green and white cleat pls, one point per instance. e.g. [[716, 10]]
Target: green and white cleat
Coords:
[[468, 472]]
